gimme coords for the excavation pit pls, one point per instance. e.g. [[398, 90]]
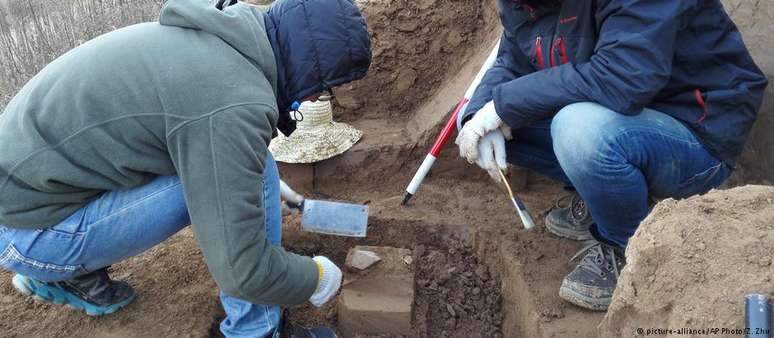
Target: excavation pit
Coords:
[[455, 293]]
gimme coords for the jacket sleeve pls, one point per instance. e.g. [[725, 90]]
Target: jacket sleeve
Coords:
[[220, 160], [632, 62], [509, 65]]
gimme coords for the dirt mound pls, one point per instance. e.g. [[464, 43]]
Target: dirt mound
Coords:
[[691, 263]]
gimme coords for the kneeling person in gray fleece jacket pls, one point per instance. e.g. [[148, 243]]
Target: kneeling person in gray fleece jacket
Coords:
[[126, 139]]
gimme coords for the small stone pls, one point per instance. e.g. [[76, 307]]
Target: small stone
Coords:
[[454, 39], [407, 26], [451, 311], [482, 272], [362, 259], [406, 79], [419, 250]]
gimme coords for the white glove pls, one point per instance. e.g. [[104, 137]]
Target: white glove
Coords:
[[492, 153], [328, 283], [289, 195], [485, 120]]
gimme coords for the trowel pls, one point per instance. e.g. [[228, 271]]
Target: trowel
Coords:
[[328, 217]]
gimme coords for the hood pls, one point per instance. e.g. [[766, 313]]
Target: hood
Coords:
[[241, 26], [318, 45]]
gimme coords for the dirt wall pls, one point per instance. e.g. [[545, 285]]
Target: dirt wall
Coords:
[[754, 18], [417, 45]]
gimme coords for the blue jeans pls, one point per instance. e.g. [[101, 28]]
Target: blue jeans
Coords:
[[122, 224], [616, 162]]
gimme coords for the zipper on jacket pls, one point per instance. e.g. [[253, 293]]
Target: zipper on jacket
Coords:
[[700, 100], [558, 47], [539, 53], [563, 50]]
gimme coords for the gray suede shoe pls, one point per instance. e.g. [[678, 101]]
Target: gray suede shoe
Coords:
[[592, 283], [286, 329], [570, 221]]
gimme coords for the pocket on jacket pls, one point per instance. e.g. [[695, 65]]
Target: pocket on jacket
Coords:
[[11, 259]]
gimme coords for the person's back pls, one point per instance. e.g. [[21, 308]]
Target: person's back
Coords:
[[99, 117]]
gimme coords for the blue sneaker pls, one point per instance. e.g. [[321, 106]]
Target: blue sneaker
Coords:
[[94, 293]]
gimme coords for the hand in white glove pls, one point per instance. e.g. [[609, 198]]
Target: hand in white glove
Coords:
[[485, 120], [293, 198], [329, 281], [491, 150]]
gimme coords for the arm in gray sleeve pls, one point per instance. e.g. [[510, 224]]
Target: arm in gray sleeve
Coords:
[[220, 159]]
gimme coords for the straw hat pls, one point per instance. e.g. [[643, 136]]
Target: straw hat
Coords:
[[316, 137]]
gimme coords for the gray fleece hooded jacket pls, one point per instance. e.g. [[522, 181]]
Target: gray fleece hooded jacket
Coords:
[[194, 95]]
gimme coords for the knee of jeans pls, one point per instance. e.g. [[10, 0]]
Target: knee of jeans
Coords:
[[578, 134]]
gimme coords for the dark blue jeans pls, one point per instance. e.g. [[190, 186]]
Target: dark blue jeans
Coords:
[[616, 162]]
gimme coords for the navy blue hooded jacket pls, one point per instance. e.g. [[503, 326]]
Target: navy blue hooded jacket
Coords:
[[318, 45], [684, 58]]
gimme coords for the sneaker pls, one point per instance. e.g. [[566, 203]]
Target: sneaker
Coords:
[[286, 329], [94, 293], [571, 221], [592, 283]]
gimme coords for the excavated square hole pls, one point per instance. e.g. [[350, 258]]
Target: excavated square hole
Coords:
[[456, 294]]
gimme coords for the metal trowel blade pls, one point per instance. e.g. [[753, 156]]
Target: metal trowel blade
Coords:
[[335, 218]]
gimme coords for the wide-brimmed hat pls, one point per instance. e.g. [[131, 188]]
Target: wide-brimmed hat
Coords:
[[316, 138]]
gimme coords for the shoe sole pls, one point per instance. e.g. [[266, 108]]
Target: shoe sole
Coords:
[[58, 296], [563, 232], [594, 304]]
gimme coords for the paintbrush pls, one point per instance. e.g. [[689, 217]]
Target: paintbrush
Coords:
[[524, 214]]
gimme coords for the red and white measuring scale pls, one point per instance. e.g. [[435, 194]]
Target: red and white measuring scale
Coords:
[[449, 128]]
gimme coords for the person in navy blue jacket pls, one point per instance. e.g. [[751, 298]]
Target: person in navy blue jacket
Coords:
[[625, 102]]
